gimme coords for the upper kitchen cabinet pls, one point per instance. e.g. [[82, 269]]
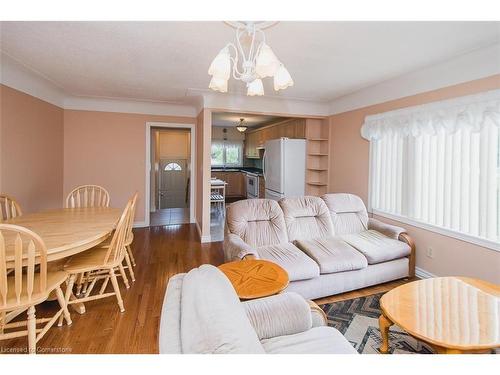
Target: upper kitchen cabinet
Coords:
[[255, 139]]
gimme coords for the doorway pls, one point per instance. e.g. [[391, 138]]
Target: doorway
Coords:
[[170, 176]]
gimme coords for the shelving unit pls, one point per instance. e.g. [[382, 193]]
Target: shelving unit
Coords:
[[317, 164]]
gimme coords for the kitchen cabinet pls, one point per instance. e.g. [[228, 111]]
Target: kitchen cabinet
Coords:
[[236, 183], [295, 128]]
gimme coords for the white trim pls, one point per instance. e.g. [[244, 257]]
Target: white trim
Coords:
[[192, 185], [489, 244], [22, 78], [124, 105], [470, 66], [261, 104], [423, 274], [140, 224], [203, 239]]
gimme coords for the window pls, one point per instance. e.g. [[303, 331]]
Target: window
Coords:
[[439, 165], [173, 167], [227, 153]]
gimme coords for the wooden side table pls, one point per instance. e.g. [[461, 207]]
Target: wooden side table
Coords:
[[451, 314], [255, 278]]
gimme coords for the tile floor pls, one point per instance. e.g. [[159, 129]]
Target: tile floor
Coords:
[[169, 216]]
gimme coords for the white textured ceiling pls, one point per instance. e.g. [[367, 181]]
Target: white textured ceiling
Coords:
[[227, 119], [160, 61]]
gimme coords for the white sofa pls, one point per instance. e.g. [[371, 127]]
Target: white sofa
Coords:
[[202, 314], [327, 245]]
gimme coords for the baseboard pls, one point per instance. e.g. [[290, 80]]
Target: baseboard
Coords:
[[203, 239], [140, 224], [423, 274]]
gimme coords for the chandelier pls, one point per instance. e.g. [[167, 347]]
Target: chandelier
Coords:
[[241, 127], [250, 66]]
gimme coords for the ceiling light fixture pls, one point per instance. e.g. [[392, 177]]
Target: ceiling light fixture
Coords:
[[257, 63], [241, 127]]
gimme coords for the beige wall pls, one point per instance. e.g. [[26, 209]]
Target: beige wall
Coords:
[[349, 173], [108, 149], [31, 150], [203, 144]]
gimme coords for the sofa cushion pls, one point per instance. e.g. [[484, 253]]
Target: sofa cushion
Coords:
[[258, 222], [213, 320], [297, 264], [318, 340], [376, 247], [332, 254], [348, 213], [306, 217]]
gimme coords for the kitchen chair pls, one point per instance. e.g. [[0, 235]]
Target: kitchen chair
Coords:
[[9, 208], [97, 259], [129, 257], [29, 285], [88, 196], [218, 197]]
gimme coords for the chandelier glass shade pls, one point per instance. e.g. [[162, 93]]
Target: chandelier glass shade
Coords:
[[250, 66], [241, 127]]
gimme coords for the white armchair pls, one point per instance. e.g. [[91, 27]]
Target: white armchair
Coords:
[[202, 314]]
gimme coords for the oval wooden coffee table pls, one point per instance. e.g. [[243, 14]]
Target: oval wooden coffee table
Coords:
[[451, 314], [255, 278]]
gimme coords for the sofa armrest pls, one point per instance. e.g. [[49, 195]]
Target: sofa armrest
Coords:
[[405, 237], [388, 230], [236, 249], [318, 316], [279, 315]]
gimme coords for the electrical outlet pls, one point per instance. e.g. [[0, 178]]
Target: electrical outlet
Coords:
[[430, 252]]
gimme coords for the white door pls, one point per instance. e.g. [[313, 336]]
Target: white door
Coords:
[[273, 165], [173, 184]]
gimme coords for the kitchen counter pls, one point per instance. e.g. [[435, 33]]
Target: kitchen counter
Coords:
[[257, 171]]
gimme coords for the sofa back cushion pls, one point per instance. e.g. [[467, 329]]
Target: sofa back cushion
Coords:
[[348, 213], [213, 320], [306, 217], [258, 222]]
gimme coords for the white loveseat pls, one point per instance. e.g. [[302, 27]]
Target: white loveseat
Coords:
[[202, 314], [327, 245]]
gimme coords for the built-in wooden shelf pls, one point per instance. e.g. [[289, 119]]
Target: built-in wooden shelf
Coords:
[[318, 149]]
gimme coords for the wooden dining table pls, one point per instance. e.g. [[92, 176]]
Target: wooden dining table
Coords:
[[66, 232]]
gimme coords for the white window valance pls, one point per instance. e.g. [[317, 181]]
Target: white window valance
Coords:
[[471, 112]]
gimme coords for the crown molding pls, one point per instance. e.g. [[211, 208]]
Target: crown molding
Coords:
[[480, 63], [474, 65], [128, 106], [261, 104], [20, 77]]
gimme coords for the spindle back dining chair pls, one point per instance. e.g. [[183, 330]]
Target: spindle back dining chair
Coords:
[[88, 196], [98, 259], [9, 208], [28, 285]]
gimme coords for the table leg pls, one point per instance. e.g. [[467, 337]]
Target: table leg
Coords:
[[384, 324]]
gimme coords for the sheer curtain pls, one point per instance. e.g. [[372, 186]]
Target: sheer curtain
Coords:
[[439, 164]]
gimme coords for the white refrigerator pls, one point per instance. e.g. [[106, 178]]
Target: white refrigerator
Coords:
[[284, 167]]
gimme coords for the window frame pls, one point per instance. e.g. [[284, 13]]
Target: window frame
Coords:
[[225, 143]]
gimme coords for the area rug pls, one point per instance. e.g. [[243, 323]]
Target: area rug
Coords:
[[357, 320]]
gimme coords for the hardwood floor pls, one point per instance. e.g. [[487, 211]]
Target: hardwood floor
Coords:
[[160, 252]]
